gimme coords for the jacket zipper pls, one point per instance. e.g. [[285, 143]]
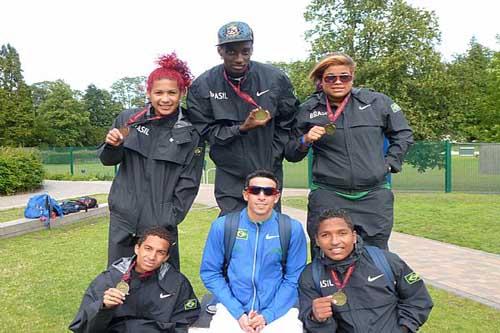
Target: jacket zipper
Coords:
[[254, 265], [348, 144]]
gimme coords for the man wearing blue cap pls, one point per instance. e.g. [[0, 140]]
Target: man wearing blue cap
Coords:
[[245, 109]]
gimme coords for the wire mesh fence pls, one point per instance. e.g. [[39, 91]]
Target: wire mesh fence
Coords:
[[429, 166]]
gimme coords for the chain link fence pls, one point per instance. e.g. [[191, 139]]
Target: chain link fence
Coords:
[[429, 166]]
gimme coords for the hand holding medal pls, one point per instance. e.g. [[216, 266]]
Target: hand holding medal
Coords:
[[113, 297], [115, 136], [314, 134], [258, 117], [322, 308]]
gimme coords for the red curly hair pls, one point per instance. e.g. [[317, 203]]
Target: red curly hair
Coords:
[[171, 68]]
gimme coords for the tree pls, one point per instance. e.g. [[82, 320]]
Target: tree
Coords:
[[129, 91], [61, 119], [16, 116], [475, 75], [102, 111], [298, 73], [393, 45]]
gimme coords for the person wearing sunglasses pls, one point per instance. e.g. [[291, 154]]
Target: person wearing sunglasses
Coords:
[[346, 128], [245, 109], [255, 291], [161, 158]]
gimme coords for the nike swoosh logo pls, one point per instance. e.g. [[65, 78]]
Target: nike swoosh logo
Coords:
[[259, 93], [165, 296], [371, 279], [271, 237], [365, 106]]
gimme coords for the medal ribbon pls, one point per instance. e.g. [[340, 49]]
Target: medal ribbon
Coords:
[[127, 276], [334, 116], [243, 95], [134, 119], [336, 279]]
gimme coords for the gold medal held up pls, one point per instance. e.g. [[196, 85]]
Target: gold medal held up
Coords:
[[339, 298], [123, 287], [330, 128], [260, 114]]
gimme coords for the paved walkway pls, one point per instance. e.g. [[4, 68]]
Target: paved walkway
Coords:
[[469, 273], [58, 189]]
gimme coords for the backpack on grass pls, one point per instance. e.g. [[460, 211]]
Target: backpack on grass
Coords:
[[87, 202], [41, 206], [76, 205]]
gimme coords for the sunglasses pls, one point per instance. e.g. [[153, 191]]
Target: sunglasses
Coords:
[[344, 78], [256, 190]]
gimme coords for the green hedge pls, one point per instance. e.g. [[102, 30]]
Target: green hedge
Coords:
[[21, 169]]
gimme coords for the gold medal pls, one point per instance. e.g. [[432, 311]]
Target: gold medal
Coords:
[[330, 128], [260, 114], [124, 131], [339, 298], [123, 287]]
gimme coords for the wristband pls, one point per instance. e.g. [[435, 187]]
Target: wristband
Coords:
[[303, 142]]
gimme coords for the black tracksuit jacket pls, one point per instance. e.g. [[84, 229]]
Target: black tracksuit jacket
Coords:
[[371, 306], [217, 112], [164, 302], [161, 164], [352, 158]]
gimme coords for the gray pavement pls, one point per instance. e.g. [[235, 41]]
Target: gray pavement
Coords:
[[466, 272], [58, 189]]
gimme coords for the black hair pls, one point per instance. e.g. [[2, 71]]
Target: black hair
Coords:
[[159, 232], [264, 174], [332, 214]]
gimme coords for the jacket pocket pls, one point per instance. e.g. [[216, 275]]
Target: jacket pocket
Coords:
[[166, 215], [229, 158], [123, 203], [174, 148]]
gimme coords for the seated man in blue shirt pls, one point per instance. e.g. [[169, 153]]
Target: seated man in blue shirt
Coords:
[[256, 289]]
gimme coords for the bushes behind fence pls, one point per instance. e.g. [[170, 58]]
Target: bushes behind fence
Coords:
[[20, 170]]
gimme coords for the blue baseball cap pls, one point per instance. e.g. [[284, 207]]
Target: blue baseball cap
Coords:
[[234, 32]]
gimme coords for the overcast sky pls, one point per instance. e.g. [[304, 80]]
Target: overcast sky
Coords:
[[101, 41]]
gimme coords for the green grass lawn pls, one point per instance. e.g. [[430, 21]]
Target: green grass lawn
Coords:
[[43, 276], [469, 220], [465, 173], [18, 213]]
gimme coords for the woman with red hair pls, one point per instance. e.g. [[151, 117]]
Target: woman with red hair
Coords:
[[161, 159]]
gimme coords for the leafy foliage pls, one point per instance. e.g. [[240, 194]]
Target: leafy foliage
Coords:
[[16, 119], [298, 73], [129, 91], [20, 170], [61, 119]]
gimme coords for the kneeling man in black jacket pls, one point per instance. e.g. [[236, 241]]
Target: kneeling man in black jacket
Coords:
[[355, 288], [143, 293]]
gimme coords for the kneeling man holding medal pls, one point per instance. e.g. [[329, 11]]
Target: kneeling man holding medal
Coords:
[[350, 287], [143, 293]]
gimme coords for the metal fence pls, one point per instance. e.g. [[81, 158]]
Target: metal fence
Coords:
[[429, 166]]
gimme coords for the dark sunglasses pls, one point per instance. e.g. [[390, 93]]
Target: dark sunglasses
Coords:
[[344, 78], [256, 190]]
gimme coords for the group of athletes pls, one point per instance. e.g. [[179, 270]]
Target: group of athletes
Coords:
[[254, 261]]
